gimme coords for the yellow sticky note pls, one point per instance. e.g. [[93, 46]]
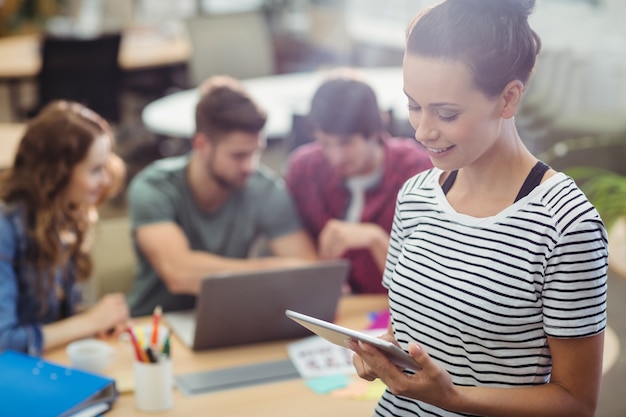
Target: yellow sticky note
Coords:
[[362, 390], [375, 390]]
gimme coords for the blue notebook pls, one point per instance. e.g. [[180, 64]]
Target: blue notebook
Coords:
[[33, 386]]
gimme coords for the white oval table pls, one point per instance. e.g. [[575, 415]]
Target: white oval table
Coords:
[[281, 96]]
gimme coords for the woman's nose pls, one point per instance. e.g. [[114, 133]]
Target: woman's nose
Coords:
[[425, 130]]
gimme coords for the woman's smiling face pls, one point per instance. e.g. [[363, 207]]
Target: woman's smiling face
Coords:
[[456, 121], [90, 176]]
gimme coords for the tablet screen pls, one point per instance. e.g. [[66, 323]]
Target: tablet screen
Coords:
[[339, 335]]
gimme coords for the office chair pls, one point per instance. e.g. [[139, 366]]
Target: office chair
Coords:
[[81, 69], [236, 44], [300, 134]]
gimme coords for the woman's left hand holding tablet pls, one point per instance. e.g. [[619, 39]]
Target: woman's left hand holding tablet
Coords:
[[432, 384]]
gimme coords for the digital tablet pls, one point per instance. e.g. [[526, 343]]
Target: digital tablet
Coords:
[[338, 335]]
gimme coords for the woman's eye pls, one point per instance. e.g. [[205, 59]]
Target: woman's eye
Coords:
[[448, 117]]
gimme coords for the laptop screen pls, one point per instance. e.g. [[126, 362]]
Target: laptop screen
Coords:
[[249, 307]]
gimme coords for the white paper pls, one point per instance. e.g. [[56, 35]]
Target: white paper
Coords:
[[93, 410], [314, 357]]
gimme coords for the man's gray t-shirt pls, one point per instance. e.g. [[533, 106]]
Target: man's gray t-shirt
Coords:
[[160, 193]]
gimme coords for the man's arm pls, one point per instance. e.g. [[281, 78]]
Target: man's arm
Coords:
[[297, 244], [338, 236], [182, 269]]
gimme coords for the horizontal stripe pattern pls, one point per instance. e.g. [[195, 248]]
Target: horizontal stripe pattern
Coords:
[[483, 295]]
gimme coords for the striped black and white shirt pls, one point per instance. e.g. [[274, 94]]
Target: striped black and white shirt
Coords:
[[482, 295]]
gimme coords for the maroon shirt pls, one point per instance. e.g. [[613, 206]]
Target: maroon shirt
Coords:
[[320, 195]]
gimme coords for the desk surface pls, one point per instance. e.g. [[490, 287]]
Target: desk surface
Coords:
[[140, 49], [10, 136], [280, 95], [288, 398]]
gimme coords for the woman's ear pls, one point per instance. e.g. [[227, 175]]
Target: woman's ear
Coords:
[[511, 97]]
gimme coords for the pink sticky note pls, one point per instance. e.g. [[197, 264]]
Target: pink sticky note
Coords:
[[380, 320]]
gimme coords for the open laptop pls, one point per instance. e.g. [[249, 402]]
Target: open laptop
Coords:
[[249, 307]]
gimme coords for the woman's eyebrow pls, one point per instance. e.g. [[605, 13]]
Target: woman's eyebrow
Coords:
[[431, 105], [407, 95], [442, 104]]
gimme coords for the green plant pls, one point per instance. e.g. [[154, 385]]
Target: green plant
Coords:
[[605, 189], [23, 13]]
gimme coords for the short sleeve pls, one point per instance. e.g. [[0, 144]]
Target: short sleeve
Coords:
[[279, 215], [575, 286], [149, 201]]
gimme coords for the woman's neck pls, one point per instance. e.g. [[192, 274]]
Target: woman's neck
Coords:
[[491, 183]]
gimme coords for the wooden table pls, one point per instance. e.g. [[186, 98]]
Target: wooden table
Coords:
[[141, 48], [10, 136], [289, 398]]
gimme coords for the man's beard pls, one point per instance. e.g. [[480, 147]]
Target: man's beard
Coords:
[[221, 180]]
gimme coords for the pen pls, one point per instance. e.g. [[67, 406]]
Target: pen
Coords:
[[156, 320], [166, 346], [150, 355]]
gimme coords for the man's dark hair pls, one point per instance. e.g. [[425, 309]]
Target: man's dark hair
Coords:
[[345, 105], [225, 106]]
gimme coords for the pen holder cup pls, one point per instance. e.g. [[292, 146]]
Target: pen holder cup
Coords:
[[153, 370], [154, 385]]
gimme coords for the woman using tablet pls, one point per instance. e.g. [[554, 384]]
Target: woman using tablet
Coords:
[[64, 167], [497, 263]]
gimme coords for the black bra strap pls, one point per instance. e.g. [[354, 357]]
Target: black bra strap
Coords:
[[532, 180], [447, 184]]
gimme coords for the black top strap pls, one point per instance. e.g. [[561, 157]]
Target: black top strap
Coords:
[[532, 180], [447, 184]]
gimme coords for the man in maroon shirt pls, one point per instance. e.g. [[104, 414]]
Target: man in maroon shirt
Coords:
[[345, 181]]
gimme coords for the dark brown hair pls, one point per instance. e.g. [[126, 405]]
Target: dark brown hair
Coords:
[[492, 37], [225, 106], [54, 143], [344, 104]]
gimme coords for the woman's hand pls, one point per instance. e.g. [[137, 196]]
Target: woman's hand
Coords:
[[432, 384], [109, 315], [362, 367]]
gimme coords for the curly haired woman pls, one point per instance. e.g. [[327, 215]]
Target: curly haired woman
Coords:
[[64, 168]]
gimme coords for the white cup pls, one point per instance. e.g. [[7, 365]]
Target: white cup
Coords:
[[90, 355], [153, 385]]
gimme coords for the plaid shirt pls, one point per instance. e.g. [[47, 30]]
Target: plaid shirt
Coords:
[[320, 195]]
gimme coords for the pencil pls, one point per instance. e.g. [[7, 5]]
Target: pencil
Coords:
[[156, 321], [140, 344]]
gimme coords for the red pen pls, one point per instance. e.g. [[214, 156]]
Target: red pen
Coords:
[[133, 340], [156, 321]]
